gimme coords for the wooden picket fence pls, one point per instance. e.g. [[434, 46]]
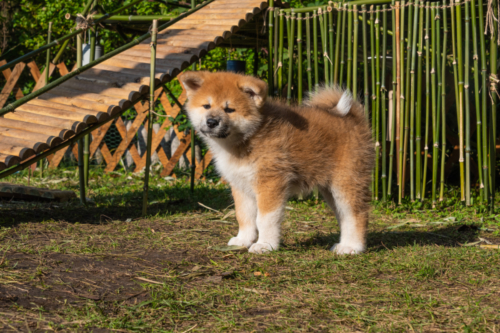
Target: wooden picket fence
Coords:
[[112, 157]]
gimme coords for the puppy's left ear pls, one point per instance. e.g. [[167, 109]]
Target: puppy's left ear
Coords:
[[256, 89]]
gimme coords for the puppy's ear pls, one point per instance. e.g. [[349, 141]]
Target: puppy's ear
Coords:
[[256, 89], [192, 81]]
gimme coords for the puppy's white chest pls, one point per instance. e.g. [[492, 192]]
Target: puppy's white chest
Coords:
[[236, 172]]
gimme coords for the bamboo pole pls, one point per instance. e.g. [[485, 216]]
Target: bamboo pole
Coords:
[[70, 35], [326, 55], [270, 30], [365, 63], [344, 20], [81, 170], [374, 106], [377, 108], [411, 96], [407, 95], [349, 47], [337, 43], [467, 108], [382, 110], [460, 98], [55, 83], [299, 51], [315, 52], [439, 90], [86, 147], [322, 26], [494, 100], [443, 102], [355, 53], [477, 99], [330, 33], [393, 101], [401, 61], [308, 52], [291, 38], [154, 32], [484, 141], [280, 57], [434, 104], [428, 85], [276, 46], [47, 77], [418, 127]]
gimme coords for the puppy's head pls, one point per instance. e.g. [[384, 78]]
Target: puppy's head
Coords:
[[224, 105]]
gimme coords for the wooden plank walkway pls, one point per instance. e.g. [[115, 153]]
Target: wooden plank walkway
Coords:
[[113, 86]]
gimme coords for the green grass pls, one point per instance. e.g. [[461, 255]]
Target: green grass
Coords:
[[66, 267]]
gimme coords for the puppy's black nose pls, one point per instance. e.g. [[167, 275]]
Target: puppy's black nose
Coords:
[[211, 122]]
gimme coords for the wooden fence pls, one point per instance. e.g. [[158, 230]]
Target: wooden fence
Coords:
[[128, 143]]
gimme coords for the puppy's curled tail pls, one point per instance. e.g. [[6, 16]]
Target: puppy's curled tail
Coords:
[[332, 99]]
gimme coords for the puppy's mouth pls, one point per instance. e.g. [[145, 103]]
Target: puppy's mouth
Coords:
[[221, 133]]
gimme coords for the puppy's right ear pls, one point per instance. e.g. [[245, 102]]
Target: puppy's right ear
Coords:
[[192, 81]]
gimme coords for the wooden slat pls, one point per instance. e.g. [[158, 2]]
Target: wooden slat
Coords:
[[139, 66], [184, 145], [39, 137], [6, 73], [190, 58], [22, 152], [110, 109], [41, 82], [11, 83], [163, 77], [101, 116], [101, 81], [200, 167], [87, 86], [36, 128], [222, 16], [103, 99], [38, 119], [114, 78], [34, 70], [9, 160], [46, 111], [18, 142], [56, 158], [161, 62], [229, 27]]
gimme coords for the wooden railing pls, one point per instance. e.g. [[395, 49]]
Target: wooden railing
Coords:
[[112, 157]]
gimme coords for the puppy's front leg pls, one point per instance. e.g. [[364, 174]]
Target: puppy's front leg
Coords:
[[246, 214], [271, 206]]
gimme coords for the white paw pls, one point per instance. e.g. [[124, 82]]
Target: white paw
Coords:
[[260, 248], [240, 242], [346, 249]]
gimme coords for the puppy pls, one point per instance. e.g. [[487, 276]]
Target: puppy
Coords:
[[269, 151]]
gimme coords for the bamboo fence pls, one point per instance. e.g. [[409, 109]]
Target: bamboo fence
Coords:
[[427, 75], [128, 142]]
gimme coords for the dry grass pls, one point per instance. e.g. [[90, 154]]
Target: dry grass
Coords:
[[64, 267]]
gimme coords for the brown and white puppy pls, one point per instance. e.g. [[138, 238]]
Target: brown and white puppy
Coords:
[[268, 151]]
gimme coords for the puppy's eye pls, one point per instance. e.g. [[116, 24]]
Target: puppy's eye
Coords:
[[206, 106], [229, 110]]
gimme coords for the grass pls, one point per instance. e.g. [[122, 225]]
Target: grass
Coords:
[[103, 268]]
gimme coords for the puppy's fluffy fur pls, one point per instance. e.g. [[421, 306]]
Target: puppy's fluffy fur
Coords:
[[269, 151]]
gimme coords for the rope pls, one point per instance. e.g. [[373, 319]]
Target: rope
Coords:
[[490, 18], [83, 22], [327, 57], [277, 68], [265, 19]]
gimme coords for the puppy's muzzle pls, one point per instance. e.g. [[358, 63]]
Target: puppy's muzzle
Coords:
[[212, 122]]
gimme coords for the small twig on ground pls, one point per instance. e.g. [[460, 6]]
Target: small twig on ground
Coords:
[[215, 210]]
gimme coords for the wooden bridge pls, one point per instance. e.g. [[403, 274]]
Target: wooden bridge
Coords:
[[92, 99]]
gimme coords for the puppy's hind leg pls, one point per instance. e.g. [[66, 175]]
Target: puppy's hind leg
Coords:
[[352, 217], [246, 214]]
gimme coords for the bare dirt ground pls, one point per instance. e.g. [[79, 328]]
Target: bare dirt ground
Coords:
[[103, 268]]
